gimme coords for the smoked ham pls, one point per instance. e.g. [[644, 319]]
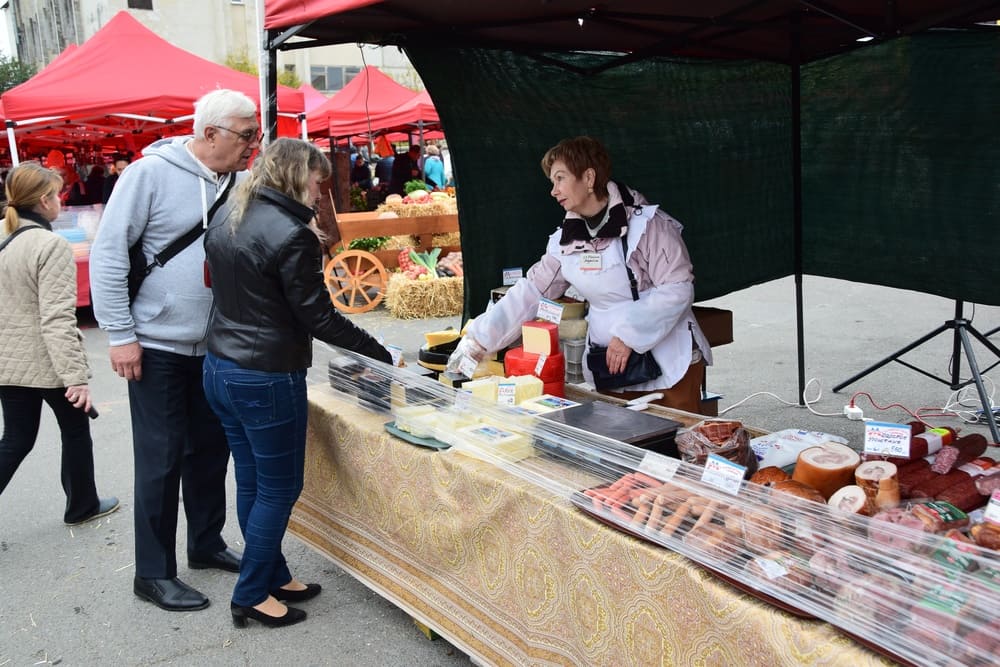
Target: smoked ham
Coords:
[[826, 467], [850, 499], [880, 482]]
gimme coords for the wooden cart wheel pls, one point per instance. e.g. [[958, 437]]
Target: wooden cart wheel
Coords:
[[356, 280]]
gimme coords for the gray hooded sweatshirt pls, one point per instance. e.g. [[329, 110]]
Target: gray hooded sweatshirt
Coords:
[[159, 198]]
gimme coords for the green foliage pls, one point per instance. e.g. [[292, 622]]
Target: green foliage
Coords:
[[241, 62], [415, 184], [359, 202], [369, 243], [13, 72], [290, 79]]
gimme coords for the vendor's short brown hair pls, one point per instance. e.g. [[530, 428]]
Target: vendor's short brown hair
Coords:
[[580, 154]]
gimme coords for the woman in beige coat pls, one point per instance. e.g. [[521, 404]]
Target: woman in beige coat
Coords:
[[41, 350]]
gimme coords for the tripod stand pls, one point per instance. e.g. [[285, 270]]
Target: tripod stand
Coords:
[[961, 342]]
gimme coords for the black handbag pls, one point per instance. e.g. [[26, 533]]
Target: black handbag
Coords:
[[638, 369], [139, 268]]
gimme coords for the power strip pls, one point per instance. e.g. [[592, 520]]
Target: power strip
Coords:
[[853, 412]]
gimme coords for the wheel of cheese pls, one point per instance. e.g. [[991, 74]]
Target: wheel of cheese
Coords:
[[850, 499], [826, 467], [518, 362]]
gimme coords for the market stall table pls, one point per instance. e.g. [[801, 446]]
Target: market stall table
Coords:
[[512, 573]]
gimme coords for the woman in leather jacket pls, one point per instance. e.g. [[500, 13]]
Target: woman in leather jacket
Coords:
[[264, 262]]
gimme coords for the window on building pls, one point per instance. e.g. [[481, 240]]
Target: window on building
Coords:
[[333, 78], [140, 4]]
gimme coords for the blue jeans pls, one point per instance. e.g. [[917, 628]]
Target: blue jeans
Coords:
[[264, 416]]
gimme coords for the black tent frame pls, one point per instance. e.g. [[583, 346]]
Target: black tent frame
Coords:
[[802, 22]]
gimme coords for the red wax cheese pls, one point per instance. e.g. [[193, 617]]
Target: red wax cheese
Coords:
[[540, 337], [518, 362]]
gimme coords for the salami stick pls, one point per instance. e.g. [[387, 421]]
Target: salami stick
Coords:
[[959, 452]]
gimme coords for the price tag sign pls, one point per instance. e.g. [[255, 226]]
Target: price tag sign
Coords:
[[723, 474], [659, 466], [542, 358], [396, 352], [887, 439], [511, 276], [463, 399], [992, 512], [505, 393], [467, 366], [549, 311]]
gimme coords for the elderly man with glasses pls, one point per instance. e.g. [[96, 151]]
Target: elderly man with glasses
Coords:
[[157, 338]]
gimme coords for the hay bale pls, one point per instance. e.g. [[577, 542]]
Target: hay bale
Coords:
[[415, 299]]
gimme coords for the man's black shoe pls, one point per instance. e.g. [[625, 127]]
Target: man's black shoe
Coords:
[[170, 594], [227, 560], [105, 506]]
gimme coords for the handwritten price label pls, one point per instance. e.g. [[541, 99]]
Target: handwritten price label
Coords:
[[659, 466], [512, 275], [506, 392], [549, 311], [887, 439], [723, 474]]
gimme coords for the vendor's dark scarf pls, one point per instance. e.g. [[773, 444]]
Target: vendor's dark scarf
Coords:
[[575, 229], [28, 214]]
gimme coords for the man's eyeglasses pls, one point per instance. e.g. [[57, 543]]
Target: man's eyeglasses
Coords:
[[247, 137]]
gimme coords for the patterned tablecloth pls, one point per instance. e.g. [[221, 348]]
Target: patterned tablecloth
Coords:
[[513, 574]]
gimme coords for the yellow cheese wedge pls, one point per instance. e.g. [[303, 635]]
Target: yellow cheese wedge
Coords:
[[405, 415], [484, 389], [540, 337], [435, 338], [488, 440]]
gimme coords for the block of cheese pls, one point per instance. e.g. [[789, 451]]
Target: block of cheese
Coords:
[[490, 440], [525, 387], [484, 389], [540, 337], [451, 420], [423, 426], [405, 415]]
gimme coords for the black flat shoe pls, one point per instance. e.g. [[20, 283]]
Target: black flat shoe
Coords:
[[308, 593], [241, 614], [170, 594], [227, 560], [104, 507]]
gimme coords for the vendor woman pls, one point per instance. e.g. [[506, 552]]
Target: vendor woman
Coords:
[[587, 253]]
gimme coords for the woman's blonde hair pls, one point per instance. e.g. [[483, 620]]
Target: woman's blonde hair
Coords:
[[580, 154], [284, 165], [26, 184]]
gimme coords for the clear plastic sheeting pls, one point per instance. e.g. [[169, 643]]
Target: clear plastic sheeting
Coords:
[[909, 584]]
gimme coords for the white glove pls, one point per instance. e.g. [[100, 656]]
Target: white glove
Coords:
[[467, 348]]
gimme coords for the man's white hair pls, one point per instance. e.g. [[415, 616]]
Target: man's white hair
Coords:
[[218, 106]]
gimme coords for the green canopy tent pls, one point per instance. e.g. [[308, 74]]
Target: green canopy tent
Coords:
[[784, 143]]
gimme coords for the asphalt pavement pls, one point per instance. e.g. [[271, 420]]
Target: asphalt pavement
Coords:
[[67, 595]]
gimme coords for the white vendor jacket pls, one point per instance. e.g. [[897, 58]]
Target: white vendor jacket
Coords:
[[661, 320]]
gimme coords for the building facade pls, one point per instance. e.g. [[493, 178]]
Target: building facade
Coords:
[[216, 30]]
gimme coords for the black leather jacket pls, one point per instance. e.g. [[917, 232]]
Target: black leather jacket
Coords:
[[270, 299]]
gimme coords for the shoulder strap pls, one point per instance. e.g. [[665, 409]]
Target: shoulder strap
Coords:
[[629, 201], [17, 231], [189, 237]]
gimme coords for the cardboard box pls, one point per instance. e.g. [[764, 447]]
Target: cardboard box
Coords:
[[716, 323]]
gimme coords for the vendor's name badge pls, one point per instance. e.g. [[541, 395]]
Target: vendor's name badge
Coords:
[[549, 311], [590, 261], [723, 474], [887, 439], [512, 275]]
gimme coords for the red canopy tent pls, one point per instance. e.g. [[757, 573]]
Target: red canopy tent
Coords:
[[95, 91], [368, 94], [415, 115]]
